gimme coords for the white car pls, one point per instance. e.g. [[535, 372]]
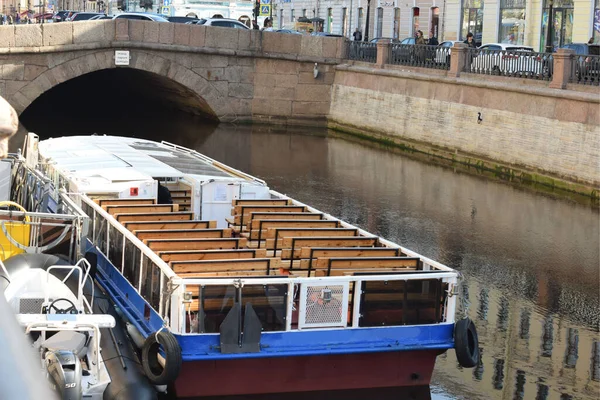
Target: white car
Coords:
[[442, 53], [141, 16], [221, 22], [506, 59]]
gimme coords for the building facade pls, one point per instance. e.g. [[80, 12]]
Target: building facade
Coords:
[[491, 21]]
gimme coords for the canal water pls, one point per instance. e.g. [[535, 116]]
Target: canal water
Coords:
[[530, 261]]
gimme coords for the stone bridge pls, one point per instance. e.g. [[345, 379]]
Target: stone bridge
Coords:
[[225, 74]]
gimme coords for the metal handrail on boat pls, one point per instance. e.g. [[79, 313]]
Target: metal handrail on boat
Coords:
[[166, 272], [449, 277]]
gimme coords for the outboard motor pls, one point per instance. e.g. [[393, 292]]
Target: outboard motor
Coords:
[[64, 373]]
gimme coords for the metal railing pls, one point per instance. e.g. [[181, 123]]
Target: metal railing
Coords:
[[291, 299], [142, 267], [585, 70], [362, 51], [518, 64], [418, 55]]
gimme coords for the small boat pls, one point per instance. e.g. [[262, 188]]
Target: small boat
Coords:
[[228, 287], [82, 349]]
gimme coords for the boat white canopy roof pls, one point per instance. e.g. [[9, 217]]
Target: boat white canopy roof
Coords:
[[119, 159]]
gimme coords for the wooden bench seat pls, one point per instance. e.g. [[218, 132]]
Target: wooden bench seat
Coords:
[[275, 236], [242, 214], [199, 255], [141, 208], [258, 227], [124, 202], [169, 225], [186, 269], [168, 216], [291, 246], [183, 233], [261, 202], [309, 254], [364, 263], [195, 244]]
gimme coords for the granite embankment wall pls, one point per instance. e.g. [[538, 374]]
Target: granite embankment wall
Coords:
[[550, 136]]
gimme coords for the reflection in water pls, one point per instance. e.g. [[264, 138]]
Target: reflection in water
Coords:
[[530, 261], [498, 374], [548, 337], [520, 385], [524, 324], [572, 344], [595, 370]]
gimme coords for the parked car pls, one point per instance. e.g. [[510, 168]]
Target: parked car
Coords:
[[289, 31], [61, 16], [381, 39], [587, 68], [83, 16], [442, 53], [326, 34], [405, 52], [221, 22], [506, 59], [141, 16], [100, 16], [181, 20]]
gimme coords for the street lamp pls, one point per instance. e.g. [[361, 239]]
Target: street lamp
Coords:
[[366, 36], [549, 35]]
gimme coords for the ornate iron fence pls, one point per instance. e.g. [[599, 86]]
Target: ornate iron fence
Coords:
[[519, 64], [419, 55], [585, 70], [362, 51]]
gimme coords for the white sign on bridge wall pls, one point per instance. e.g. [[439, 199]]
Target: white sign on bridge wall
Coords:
[[122, 57]]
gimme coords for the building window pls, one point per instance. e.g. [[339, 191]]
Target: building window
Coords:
[[344, 22], [292, 16], [396, 23], [329, 20], [304, 12], [596, 35], [360, 16], [415, 20], [562, 24], [512, 22], [434, 30], [472, 20], [379, 29]]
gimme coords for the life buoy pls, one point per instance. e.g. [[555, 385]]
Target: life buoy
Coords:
[[466, 343], [152, 368]]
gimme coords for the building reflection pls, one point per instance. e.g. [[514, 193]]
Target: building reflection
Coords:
[[529, 355]]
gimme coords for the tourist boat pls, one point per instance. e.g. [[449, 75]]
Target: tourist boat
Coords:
[[49, 286], [229, 287]]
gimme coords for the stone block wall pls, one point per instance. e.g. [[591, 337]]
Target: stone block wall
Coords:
[[539, 129]]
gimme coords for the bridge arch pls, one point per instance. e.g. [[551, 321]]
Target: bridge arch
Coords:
[[191, 91]]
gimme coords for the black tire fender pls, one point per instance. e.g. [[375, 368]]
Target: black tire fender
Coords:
[[466, 343], [152, 368]]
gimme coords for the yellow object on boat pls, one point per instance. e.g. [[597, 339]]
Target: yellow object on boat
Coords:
[[13, 233]]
